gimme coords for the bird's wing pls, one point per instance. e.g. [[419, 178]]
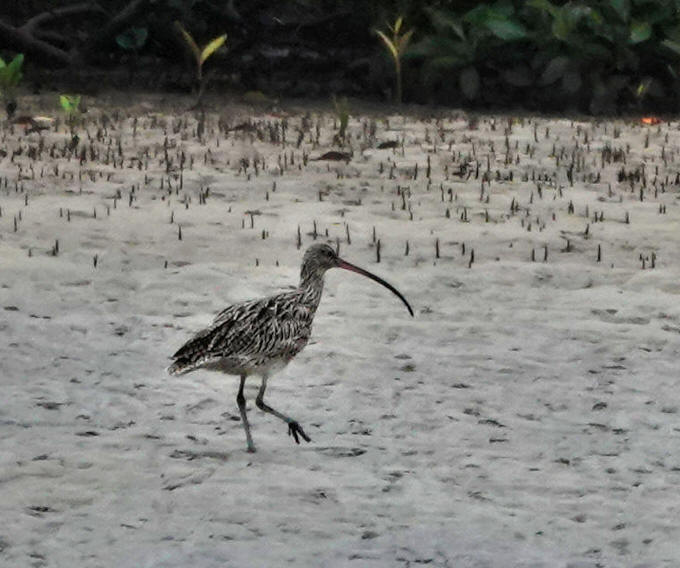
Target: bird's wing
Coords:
[[232, 313], [264, 328], [261, 329], [221, 327]]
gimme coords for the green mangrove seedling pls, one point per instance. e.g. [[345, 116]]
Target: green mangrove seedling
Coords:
[[396, 46], [71, 106], [342, 113], [10, 75], [132, 40], [200, 55]]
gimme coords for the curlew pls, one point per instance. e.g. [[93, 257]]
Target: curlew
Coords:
[[260, 337]]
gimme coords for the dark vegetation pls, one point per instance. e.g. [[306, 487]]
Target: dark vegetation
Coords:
[[583, 55]]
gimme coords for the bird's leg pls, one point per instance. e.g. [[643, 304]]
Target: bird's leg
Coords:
[[241, 400], [294, 429]]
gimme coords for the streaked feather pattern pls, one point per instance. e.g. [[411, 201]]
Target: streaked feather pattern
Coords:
[[262, 336], [253, 335]]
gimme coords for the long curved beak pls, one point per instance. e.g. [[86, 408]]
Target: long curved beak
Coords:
[[347, 266]]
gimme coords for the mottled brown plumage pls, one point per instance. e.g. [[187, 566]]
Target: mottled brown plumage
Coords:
[[262, 336]]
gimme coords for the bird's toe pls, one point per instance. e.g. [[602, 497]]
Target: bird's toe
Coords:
[[294, 429]]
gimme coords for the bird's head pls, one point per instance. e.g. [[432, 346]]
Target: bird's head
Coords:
[[320, 257]]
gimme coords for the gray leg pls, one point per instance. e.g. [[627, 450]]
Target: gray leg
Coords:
[[241, 400], [294, 429]]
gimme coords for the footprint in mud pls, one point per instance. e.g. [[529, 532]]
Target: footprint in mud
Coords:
[[340, 452], [194, 478], [191, 455]]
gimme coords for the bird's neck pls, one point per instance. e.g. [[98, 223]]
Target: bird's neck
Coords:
[[311, 286]]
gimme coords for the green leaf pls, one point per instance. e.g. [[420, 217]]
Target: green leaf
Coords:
[[648, 86], [17, 62], [14, 66], [479, 15], [16, 78], [640, 31], [504, 9], [506, 29], [567, 19], [132, 38], [69, 103], [674, 46], [443, 47], [404, 41], [672, 32], [388, 44], [10, 74], [561, 26], [555, 70], [544, 6], [188, 38], [658, 12], [446, 62], [622, 8], [469, 82], [212, 47], [593, 16], [443, 21]]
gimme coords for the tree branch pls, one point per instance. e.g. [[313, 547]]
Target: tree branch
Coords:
[[23, 41], [54, 38], [30, 38], [65, 12]]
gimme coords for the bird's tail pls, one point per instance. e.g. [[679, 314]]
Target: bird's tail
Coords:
[[180, 367], [191, 355]]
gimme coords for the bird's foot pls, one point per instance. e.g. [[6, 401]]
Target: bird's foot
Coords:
[[294, 429], [251, 449]]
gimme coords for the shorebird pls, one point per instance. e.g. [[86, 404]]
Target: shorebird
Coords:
[[260, 337]]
